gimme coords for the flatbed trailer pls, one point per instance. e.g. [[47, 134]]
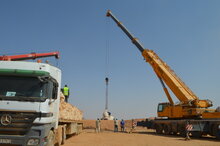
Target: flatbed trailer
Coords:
[[67, 128]]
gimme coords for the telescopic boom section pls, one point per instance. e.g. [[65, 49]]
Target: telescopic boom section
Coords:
[[165, 74], [133, 39], [29, 56]]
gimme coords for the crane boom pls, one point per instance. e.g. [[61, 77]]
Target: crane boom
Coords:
[[29, 56], [165, 74]]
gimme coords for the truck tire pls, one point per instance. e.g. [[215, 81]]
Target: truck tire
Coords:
[[159, 128], [216, 131], [196, 134], [167, 129], [50, 138], [182, 130], [218, 136]]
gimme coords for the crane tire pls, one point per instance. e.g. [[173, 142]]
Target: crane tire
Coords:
[[167, 129], [159, 128]]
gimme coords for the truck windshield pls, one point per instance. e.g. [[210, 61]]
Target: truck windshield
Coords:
[[24, 88]]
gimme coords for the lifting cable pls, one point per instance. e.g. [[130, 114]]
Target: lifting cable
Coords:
[[106, 64]]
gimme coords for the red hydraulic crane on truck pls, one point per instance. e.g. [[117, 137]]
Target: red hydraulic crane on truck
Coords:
[[29, 56], [190, 108]]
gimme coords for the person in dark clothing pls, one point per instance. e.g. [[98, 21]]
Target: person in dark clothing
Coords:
[[116, 125], [122, 123]]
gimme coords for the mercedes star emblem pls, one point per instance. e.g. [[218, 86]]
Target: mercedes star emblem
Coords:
[[6, 120]]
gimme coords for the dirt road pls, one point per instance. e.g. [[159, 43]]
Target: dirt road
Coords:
[[138, 138]]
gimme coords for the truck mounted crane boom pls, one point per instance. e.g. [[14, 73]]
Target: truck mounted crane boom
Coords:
[[29, 56], [166, 75]]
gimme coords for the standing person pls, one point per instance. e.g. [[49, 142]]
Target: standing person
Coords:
[[188, 128], [116, 125], [122, 123], [134, 124], [98, 125], [66, 92]]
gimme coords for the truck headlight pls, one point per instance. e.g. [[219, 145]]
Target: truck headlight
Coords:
[[33, 142]]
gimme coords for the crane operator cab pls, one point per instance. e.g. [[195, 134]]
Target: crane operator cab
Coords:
[[161, 109], [165, 109], [161, 106]]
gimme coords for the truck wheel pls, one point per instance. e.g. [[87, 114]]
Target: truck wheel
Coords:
[[50, 139], [218, 136], [182, 131], [159, 129], [167, 129], [216, 131], [196, 134]]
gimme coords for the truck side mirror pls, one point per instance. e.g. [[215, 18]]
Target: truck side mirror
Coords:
[[55, 90], [54, 93]]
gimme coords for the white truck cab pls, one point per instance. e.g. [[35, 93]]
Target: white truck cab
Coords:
[[29, 102]]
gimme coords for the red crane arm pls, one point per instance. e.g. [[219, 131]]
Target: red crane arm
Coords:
[[29, 56]]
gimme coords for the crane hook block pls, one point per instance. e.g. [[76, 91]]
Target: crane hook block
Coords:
[[106, 79]]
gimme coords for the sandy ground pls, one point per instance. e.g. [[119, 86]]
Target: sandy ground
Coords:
[[141, 137]]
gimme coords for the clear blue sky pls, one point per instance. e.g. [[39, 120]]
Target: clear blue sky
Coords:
[[184, 33]]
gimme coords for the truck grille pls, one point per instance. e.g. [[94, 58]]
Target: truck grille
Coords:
[[14, 123]]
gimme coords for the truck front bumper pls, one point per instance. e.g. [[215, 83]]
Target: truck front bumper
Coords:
[[36, 136]]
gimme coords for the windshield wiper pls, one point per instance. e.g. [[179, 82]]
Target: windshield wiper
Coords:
[[43, 79]]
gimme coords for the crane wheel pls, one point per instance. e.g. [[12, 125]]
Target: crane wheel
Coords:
[[216, 131], [167, 129], [181, 130], [196, 134], [159, 128]]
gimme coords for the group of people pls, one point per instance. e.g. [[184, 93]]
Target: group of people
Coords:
[[116, 125], [66, 92]]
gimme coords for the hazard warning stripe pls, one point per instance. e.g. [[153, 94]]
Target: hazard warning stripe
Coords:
[[189, 127]]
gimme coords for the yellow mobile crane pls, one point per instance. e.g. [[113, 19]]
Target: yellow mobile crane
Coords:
[[190, 108]]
